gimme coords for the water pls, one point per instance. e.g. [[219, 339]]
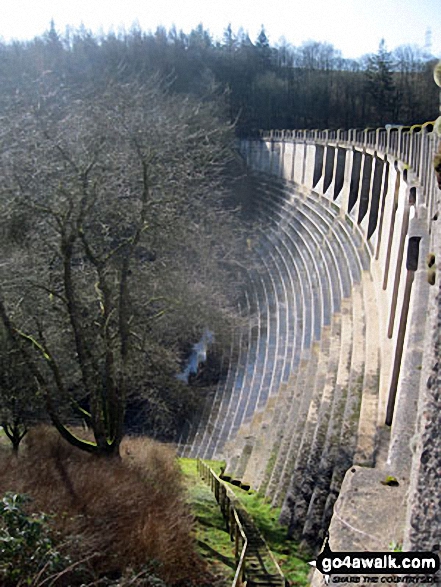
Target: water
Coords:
[[198, 356]]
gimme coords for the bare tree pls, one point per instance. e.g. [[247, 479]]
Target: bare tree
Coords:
[[20, 404], [111, 195]]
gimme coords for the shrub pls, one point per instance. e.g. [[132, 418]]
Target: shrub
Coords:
[[120, 514], [27, 545]]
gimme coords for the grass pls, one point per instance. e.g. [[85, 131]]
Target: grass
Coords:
[[294, 567], [214, 543]]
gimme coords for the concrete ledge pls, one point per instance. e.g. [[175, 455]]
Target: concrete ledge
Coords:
[[384, 509]]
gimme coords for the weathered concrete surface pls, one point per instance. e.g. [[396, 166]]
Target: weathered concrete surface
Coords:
[[423, 522], [423, 528], [368, 515], [383, 509], [409, 385]]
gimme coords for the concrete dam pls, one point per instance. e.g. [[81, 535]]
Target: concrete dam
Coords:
[[332, 406]]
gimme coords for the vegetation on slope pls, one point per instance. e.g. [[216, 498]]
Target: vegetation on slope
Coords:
[[68, 518], [89, 521], [211, 532], [213, 542], [291, 561], [119, 251]]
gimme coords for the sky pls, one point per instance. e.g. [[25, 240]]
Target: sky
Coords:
[[356, 27]]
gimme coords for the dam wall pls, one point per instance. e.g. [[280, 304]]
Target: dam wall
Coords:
[[333, 391]]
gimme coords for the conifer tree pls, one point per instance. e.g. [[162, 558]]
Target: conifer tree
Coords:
[[380, 86]]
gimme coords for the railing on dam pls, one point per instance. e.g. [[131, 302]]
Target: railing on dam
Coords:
[[411, 145]]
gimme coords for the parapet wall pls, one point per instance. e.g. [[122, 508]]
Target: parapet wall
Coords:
[[383, 186]]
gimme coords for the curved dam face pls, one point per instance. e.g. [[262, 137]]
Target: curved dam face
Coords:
[[333, 362]]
